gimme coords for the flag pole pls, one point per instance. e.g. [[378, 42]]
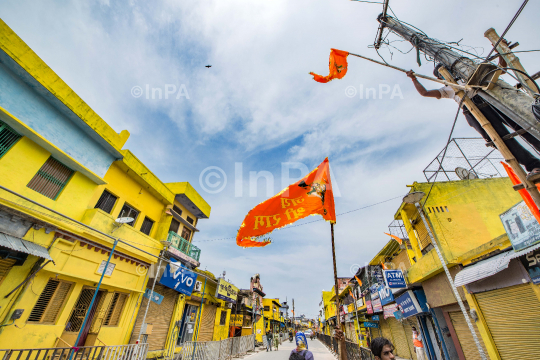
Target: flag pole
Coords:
[[342, 354]]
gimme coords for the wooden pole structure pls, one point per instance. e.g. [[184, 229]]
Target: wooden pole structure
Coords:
[[342, 354], [497, 140]]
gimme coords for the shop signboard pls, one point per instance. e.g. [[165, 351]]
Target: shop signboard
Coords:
[[521, 226], [369, 307], [388, 310], [408, 302], [370, 324], [398, 315], [385, 294], [375, 318], [374, 290], [377, 306], [157, 298], [179, 278], [394, 279], [226, 291], [359, 303], [531, 262]]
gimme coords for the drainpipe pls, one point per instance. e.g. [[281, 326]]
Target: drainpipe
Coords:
[[412, 236]]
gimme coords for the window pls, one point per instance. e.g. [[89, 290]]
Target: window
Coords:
[[50, 302], [106, 202], [267, 308], [114, 312], [175, 225], [177, 210], [190, 220], [186, 233], [51, 178], [8, 137], [147, 226], [223, 317], [128, 211]]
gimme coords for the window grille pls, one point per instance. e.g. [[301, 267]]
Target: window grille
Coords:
[[51, 178], [128, 211], [190, 220], [177, 210], [50, 302], [106, 202], [115, 309], [8, 137], [223, 317], [147, 226]]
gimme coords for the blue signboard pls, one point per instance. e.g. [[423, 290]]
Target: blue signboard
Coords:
[[375, 318], [398, 315], [394, 279], [370, 324], [157, 298], [409, 305], [179, 278], [385, 294]]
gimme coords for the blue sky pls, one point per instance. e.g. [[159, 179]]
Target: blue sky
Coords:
[[258, 106]]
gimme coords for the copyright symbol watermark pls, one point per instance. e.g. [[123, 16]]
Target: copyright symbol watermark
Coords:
[[213, 179], [136, 91], [350, 91], [354, 269], [141, 269]]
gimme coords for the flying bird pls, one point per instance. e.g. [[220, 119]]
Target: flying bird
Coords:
[[208, 66]]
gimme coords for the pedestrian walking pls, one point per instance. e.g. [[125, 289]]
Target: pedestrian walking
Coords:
[[301, 352], [269, 340], [276, 341], [418, 343], [382, 349]]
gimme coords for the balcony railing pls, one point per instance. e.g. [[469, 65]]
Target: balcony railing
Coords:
[[184, 246]]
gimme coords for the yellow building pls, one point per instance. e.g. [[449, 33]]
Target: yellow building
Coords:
[[73, 190]]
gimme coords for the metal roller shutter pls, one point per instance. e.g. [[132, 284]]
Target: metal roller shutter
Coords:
[[385, 329], [512, 315], [400, 342], [465, 337], [208, 321], [5, 266], [375, 332], [159, 316], [407, 327]]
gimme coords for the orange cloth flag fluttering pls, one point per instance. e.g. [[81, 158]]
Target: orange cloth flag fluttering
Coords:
[[338, 67], [359, 281], [309, 196], [395, 238], [523, 192]]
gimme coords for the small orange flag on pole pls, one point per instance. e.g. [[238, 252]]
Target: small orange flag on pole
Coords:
[[400, 241], [359, 281], [337, 64], [311, 195]]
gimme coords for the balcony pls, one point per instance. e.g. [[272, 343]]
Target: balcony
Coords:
[[180, 245]]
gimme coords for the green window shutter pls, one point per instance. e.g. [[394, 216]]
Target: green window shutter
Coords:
[[51, 178], [8, 137]]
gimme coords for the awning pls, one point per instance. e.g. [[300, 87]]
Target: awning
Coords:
[[24, 246], [489, 267], [179, 217]]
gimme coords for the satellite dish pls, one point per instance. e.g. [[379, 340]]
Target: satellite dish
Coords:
[[124, 220], [465, 174]]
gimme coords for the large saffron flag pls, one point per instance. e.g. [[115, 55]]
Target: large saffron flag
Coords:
[[337, 64], [311, 195]]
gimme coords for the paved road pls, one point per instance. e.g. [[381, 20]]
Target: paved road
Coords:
[[320, 352]]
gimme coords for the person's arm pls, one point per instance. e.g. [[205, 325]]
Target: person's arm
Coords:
[[421, 89]]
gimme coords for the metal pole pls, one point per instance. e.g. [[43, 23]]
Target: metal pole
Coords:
[[456, 294], [356, 316], [93, 299], [341, 348], [197, 324], [149, 300]]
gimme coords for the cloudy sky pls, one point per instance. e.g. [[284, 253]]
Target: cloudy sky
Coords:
[[257, 107]]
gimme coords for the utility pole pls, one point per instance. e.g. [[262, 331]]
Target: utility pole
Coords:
[[513, 103]]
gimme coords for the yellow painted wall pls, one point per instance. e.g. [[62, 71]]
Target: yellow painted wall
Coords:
[[221, 331]]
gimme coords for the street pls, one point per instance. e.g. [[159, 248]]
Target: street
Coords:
[[320, 352]]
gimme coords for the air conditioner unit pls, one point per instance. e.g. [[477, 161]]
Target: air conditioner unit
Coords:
[[198, 286]]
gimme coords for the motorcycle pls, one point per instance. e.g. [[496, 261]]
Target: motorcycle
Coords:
[[290, 338]]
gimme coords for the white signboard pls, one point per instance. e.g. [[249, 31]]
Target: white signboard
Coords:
[[522, 228], [110, 268]]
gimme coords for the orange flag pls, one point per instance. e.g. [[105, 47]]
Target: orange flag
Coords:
[[309, 196], [395, 238], [338, 67], [523, 192], [359, 281]]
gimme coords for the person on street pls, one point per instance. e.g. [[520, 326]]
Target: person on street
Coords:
[[498, 120], [382, 349], [268, 340], [276, 341], [301, 352], [418, 343]]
